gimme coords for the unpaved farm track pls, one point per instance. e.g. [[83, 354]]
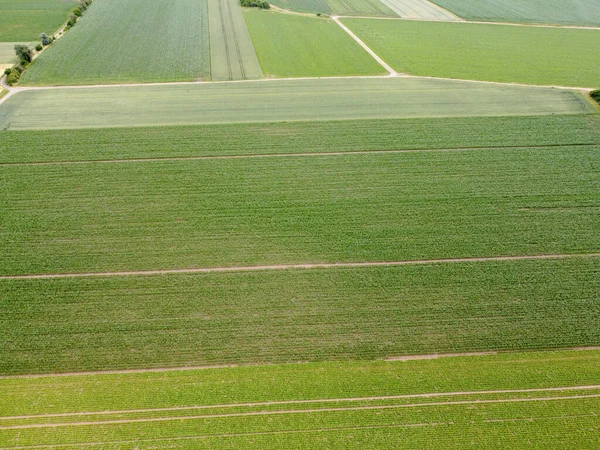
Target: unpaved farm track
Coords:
[[305, 411], [299, 266]]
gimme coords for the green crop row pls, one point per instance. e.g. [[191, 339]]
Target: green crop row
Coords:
[[298, 137]]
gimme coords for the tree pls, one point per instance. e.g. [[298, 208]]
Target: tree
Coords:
[[23, 52]]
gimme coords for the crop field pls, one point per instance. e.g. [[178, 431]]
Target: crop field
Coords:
[[232, 55], [374, 8], [499, 399], [324, 50], [503, 53], [23, 20], [419, 9], [279, 100], [274, 316], [299, 137], [178, 214], [7, 53], [562, 12], [165, 41]]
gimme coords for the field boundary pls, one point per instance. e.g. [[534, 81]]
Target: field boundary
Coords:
[[299, 266]]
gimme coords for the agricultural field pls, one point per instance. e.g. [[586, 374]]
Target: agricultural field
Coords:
[[560, 12], [493, 400], [142, 42], [22, 21], [374, 8], [350, 224], [277, 316], [420, 9], [279, 100], [289, 138], [501, 53], [177, 214], [324, 50], [232, 56]]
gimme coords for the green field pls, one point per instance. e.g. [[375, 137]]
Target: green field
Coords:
[[419, 9], [298, 137], [375, 8], [457, 402], [232, 56], [564, 12], [125, 322], [283, 100], [305, 6], [529, 55], [258, 211], [324, 50], [138, 42], [24, 20]]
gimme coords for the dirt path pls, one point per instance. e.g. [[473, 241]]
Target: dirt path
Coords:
[[310, 401], [287, 155], [298, 266], [301, 411], [381, 62]]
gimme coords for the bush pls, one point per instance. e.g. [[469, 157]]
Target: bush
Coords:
[[72, 20], [595, 95], [39, 47], [255, 4], [13, 77], [7, 71], [46, 40], [77, 11]]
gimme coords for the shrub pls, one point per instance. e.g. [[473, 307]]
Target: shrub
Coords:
[[39, 47], [595, 95], [7, 71], [23, 52], [46, 40], [72, 20], [255, 4], [13, 77], [77, 11]]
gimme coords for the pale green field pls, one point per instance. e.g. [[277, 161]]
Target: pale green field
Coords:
[[564, 12], [22, 21], [284, 100], [322, 405], [419, 9], [503, 53], [232, 55], [339, 7], [324, 50], [138, 41]]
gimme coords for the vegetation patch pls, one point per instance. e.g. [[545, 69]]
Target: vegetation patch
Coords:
[[157, 41], [562, 12], [324, 49], [529, 55]]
